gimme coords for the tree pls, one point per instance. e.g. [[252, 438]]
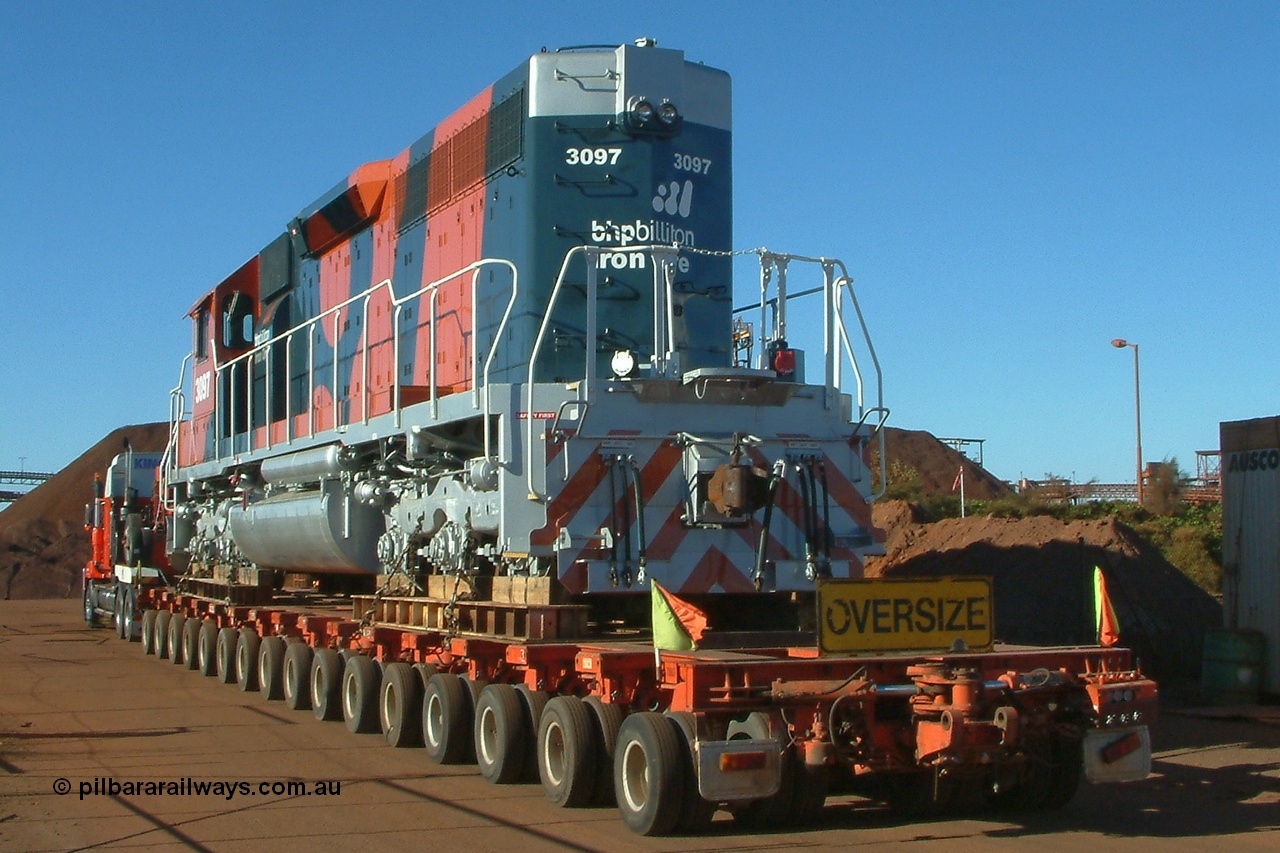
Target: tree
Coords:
[[1163, 491]]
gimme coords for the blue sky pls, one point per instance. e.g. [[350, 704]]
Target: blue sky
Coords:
[[1012, 185]]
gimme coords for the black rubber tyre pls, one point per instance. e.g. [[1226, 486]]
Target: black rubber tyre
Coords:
[[568, 752], [169, 643], [162, 633], [1050, 778], [297, 676], [117, 612], [225, 654], [400, 705], [501, 733], [326, 684], [1068, 770], [129, 625], [648, 775], [802, 793], [191, 643], [271, 668], [608, 719], [474, 688], [695, 812], [361, 683], [247, 645], [811, 784], [916, 794], [446, 719], [424, 671], [534, 703], [149, 631], [208, 648], [91, 617]]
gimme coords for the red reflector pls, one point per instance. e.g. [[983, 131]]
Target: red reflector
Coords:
[[1116, 750], [743, 761], [784, 362]]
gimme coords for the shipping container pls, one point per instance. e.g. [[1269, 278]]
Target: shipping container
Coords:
[[1251, 536]]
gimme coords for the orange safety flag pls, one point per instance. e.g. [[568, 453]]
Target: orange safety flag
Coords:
[[677, 624], [1108, 626]]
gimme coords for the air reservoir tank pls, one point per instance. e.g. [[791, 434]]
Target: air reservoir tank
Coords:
[[320, 530]]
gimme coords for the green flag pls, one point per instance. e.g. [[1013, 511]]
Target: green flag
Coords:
[[677, 624]]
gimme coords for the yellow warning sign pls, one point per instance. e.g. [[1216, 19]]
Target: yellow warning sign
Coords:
[[905, 614]]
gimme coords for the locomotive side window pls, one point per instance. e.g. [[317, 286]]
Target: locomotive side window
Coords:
[[237, 321], [202, 334]]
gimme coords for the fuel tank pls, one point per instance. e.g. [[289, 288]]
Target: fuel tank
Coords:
[[318, 531]]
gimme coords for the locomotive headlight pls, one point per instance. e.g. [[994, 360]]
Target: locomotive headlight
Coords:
[[624, 363], [642, 112], [667, 113]]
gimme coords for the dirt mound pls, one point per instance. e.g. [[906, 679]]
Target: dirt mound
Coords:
[[42, 540], [938, 465], [1042, 570]]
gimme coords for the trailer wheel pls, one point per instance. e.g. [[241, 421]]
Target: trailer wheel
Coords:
[[424, 671], [227, 639], [326, 684], [297, 676], [812, 782], [567, 752], [128, 614], [163, 646], [191, 643], [647, 774], [534, 702], [1068, 769], [446, 719], [271, 668], [1050, 779], [174, 638], [400, 705], [917, 793], [695, 812], [247, 645], [501, 734], [149, 631], [608, 719], [207, 651], [117, 612], [361, 683], [91, 617]]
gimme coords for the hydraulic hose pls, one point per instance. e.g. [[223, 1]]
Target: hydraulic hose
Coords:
[[804, 487], [757, 573], [613, 525], [626, 526], [641, 552], [826, 518]]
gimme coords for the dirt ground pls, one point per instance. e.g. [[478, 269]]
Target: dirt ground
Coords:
[[79, 705]]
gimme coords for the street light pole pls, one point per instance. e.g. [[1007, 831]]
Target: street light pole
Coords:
[[1121, 343]]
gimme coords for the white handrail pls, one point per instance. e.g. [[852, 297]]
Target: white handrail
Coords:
[[312, 324]]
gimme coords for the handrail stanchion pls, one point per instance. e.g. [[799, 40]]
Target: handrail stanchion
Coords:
[[533, 360]]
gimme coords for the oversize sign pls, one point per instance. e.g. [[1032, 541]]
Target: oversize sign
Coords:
[[908, 614]]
